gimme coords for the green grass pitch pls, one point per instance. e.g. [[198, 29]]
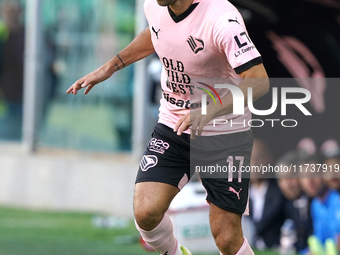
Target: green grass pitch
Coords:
[[24, 232]]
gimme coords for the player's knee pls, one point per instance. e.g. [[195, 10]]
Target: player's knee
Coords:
[[228, 241], [225, 242], [148, 218]]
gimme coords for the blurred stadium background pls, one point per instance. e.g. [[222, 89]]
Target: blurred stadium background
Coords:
[[67, 164]]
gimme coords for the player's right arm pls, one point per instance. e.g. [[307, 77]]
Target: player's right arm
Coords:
[[138, 49]]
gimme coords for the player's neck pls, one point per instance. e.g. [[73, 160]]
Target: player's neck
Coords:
[[181, 6]]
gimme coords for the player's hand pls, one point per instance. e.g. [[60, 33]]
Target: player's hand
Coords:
[[90, 80], [195, 119]]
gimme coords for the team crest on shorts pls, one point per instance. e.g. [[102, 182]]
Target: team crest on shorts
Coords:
[[147, 162]]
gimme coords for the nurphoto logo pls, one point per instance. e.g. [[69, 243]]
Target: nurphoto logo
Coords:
[[239, 105]]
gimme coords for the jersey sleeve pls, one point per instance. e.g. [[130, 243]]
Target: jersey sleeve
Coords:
[[148, 9], [231, 36]]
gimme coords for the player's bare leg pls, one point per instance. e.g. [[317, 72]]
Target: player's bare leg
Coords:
[[151, 201], [227, 231]]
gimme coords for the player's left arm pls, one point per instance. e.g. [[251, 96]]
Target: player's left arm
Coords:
[[255, 77]]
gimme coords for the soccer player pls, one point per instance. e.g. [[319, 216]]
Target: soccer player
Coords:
[[195, 39]]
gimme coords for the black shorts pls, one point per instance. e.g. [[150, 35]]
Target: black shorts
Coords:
[[220, 161]]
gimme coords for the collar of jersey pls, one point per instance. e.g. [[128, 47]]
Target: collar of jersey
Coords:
[[183, 15]]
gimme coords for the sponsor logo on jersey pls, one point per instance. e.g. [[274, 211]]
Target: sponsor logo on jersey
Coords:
[[147, 162], [242, 41], [156, 32], [181, 103], [195, 44], [158, 145], [234, 20]]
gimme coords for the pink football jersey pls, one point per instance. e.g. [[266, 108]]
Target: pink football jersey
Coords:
[[206, 45]]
